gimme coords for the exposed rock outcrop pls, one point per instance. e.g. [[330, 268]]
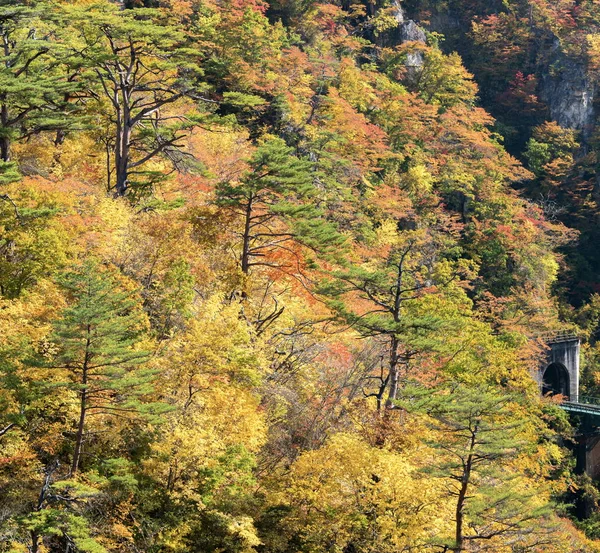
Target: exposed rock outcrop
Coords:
[[397, 11], [569, 92], [411, 32], [408, 31]]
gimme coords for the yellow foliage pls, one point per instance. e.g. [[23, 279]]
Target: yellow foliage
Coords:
[[354, 88], [348, 492], [207, 374]]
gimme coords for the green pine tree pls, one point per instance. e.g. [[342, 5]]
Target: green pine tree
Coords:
[[98, 337], [59, 516], [479, 436], [276, 201], [137, 65], [9, 173], [34, 88], [398, 270]]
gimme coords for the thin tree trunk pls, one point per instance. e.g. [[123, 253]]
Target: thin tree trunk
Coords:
[[246, 238], [394, 373], [35, 537], [122, 161], [4, 140], [83, 406], [381, 392], [462, 496], [108, 187], [460, 504], [80, 428]]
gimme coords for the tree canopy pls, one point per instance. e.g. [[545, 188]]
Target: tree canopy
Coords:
[[275, 276]]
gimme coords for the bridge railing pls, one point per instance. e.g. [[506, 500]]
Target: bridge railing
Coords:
[[587, 400], [554, 336]]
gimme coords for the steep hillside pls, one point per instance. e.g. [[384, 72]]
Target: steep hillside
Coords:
[[537, 62], [274, 277]]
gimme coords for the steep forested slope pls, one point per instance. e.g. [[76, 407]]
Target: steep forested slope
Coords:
[[536, 62], [274, 276]]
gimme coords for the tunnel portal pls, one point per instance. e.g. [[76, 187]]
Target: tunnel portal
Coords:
[[555, 380], [559, 375]]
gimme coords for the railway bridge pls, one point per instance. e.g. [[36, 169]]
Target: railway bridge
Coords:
[[559, 375]]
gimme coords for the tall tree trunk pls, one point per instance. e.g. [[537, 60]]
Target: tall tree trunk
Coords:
[[122, 152], [462, 496], [81, 425], [35, 542], [122, 183], [245, 261], [4, 138], [394, 375], [458, 517]]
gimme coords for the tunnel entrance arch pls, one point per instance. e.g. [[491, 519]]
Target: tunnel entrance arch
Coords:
[[558, 373], [555, 380]]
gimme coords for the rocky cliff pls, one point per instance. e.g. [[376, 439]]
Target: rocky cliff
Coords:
[[569, 92], [407, 31]]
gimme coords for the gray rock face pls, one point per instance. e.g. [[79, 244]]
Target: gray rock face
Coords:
[[407, 31], [411, 32], [569, 94], [397, 11]]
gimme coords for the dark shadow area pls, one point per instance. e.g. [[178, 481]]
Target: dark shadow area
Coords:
[[556, 380]]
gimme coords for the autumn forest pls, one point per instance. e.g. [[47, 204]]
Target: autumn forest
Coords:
[[278, 276]]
